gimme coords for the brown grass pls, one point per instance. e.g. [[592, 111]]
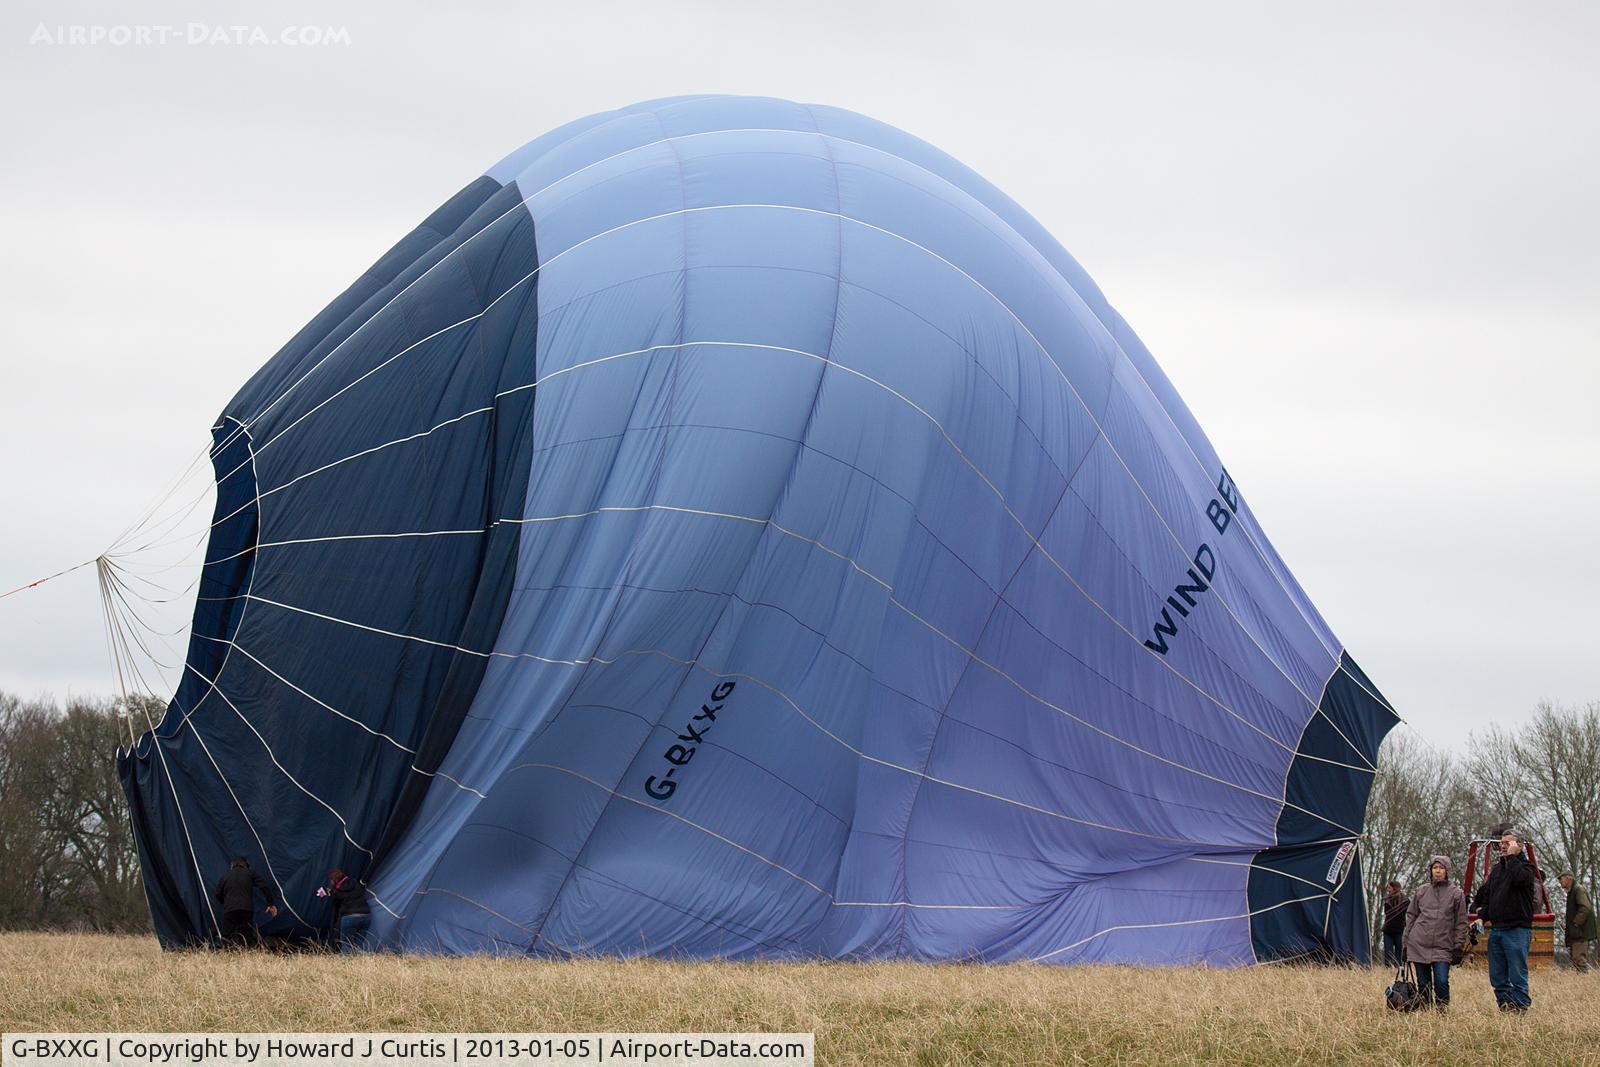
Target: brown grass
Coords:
[[861, 1013]]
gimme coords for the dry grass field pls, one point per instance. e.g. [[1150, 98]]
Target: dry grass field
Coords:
[[861, 1014]]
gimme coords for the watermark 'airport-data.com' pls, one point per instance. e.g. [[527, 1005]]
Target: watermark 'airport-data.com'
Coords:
[[193, 34]]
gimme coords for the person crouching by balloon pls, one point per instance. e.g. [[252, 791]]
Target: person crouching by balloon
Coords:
[[351, 916], [1436, 932], [236, 892]]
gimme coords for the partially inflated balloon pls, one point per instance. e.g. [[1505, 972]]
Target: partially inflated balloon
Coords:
[[733, 528]]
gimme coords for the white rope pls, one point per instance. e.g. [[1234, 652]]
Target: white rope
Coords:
[[344, 826], [850, 904], [1262, 867], [1272, 570], [1111, 336], [835, 737], [538, 935], [133, 754], [320, 703], [971, 653], [250, 584], [145, 516], [949, 440], [673, 815], [136, 628], [832, 902], [153, 534], [758, 681], [1178, 922], [759, 856], [1024, 690], [903, 607], [1103, 610], [111, 654], [187, 717], [927, 907], [1177, 541], [1312, 703], [266, 859], [592, 781], [213, 687], [990, 216]]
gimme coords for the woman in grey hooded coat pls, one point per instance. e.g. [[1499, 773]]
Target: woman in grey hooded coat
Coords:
[[1436, 932]]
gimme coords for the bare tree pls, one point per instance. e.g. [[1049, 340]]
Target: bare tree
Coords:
[[1500, 779], [92, 814], [1559, 750], [67, 857], [24, 849], [1422, 804]]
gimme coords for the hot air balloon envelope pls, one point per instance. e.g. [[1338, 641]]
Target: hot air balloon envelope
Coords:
[[733, 528]]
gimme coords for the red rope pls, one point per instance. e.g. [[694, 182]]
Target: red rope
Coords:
[[46, 578]]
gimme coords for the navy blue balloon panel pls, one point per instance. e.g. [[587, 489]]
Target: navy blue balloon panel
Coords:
[[733, 528]]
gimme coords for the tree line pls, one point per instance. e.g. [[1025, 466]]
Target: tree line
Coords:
[[68, 861], [67, 857]]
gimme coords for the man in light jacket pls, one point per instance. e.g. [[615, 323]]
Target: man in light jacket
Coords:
[[1436, 932], [1580, 922]]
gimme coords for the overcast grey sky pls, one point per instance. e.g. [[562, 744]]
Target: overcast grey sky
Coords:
[[1362, 239]]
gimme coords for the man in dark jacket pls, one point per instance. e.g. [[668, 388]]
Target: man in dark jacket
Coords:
[[351, 916], [1505, 903], [1395, 903], [236, 892], [1580, 922]]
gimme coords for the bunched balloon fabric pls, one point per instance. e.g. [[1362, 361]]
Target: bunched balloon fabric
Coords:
[[733, 528]]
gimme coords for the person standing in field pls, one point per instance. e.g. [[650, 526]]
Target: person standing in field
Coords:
[[1580, 922], [1395, 903], [236, 892], [1505, 903], [351, 916], [1436, 932]]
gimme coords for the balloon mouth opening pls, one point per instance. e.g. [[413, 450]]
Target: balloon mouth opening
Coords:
[[223, 590]]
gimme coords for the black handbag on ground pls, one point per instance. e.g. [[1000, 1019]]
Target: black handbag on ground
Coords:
[[1402, 992]]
